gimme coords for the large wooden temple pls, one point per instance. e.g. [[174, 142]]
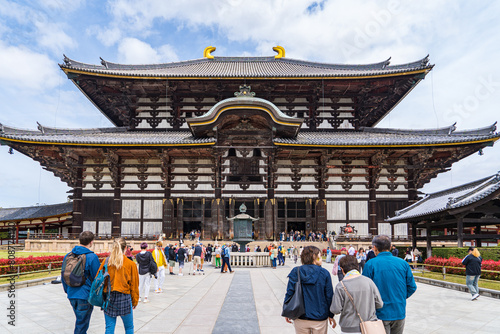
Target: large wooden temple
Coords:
[[294, 140]]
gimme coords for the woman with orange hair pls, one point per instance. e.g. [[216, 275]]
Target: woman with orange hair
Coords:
[[124, 294]]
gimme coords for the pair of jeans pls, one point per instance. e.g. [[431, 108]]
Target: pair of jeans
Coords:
[[394, 326], [471, 282], [273, 263], [225, 260], [83, 310], [128, 322], [280, 259]]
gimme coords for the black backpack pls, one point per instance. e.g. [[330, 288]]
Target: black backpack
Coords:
[[73, 270], [153, 267]]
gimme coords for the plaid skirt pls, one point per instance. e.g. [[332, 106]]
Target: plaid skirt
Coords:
[[119, 304]]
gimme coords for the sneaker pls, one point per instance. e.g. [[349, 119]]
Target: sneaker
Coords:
[[157, 291], [201, 270], [181, 274], [139, 299], [475, 296], [161, 291], [232, 271], [172, 274], [146, 300]]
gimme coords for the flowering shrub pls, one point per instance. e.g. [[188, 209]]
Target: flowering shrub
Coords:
[[35, 263], [457, 262]]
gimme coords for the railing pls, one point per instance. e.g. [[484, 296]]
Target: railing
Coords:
[[74, 236], [51, 266], [368, 237], [250, 259], [443, 270]]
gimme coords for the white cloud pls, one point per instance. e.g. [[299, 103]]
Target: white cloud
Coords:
[[107, 37], [52, 37], [134, 51], [21, 67]]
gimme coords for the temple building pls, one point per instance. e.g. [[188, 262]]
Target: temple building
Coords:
[[295, 141]]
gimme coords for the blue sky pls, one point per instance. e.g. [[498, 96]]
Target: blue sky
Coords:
[[462, 38]]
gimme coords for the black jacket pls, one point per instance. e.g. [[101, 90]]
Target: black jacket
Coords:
[[472, 265], [171, 254], [144, 261]]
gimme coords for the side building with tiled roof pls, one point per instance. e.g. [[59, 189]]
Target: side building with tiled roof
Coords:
[[468, 214], [293, 140]]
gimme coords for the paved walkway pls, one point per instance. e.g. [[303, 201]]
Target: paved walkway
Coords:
[[237, 303]]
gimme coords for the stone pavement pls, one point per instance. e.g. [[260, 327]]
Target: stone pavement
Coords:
[[248, 301]]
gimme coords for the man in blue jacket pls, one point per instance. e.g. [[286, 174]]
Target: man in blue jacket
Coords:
[[394, 280], [78, 296]]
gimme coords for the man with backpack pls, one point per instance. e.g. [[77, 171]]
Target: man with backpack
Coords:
[[146, 262], [79, 268]]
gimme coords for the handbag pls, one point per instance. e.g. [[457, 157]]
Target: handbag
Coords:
[[335, 268], [294, 306], [367, 327]]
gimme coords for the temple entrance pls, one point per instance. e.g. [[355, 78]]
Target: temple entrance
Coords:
[[190, 226], [296, 226]]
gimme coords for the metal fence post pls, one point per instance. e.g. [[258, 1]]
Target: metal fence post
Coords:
[[50, 267], [444, 273]]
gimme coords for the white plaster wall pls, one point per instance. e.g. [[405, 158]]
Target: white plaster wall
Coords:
[[384, 228], [105, 228], [89, 226], [131, 228], [336, 210], [153, 209], [358, 210], [131, 208], [152, 228]]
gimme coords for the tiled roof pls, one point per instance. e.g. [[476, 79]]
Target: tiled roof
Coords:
[[448, 199], [34, 212], [379, 136], [246, 67], [363, 137], [102, 136]]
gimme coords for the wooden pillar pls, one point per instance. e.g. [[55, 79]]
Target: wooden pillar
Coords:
[[43, 226], [202, 232], [321, 215], [168, 218], [256, 214], [231, 204], [180, 218], [77, 226], [478, 231], [373, 177], [217, 218], [414, 235], [17, 233], [460, 232], [270, 210], [309, 212], [168, 226], [428, 239]]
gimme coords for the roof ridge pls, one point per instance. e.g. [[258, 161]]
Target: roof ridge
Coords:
[[108, 65]]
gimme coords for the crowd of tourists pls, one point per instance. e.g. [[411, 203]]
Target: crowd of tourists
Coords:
[[372, 290], [129, 282], [302, 236]]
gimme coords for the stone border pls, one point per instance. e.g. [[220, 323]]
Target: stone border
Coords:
[[456, 286], [25, 284]]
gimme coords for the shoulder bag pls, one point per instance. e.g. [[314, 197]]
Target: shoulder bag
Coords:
[[367, 327], [294, 306]]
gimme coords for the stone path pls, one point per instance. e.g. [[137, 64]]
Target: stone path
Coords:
[[223, 303]]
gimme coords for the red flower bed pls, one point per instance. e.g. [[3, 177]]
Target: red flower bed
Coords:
[[32, 263], [456, 262]]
